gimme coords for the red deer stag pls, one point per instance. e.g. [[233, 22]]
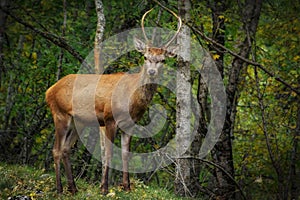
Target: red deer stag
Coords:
[[59, 98]]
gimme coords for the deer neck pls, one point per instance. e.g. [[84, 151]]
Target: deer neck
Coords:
[[147, 88], [147, 91]]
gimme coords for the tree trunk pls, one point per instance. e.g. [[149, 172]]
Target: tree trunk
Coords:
[[222, 153], [63, 31], [3, 18], [98, 67], [218, 8], [187, 172], [293, 175], [99, 35]]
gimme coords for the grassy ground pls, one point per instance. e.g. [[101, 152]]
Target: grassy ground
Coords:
[[16, 180]]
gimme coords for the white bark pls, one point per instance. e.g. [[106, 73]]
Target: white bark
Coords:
[[99, 35], [98, 67], [183, 105]]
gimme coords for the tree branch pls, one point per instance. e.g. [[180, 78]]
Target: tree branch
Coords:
[[260, 66], [50, 37]]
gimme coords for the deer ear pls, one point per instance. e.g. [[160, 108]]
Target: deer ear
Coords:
[[172, 51], [139, 45]]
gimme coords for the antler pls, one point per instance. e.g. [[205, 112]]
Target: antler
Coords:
[[179, 26], [173, 38], [142, 24]]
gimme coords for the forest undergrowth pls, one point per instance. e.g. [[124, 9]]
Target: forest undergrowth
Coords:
[[24, 182]]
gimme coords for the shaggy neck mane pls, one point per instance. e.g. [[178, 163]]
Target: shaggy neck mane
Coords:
[[147, 88], [142, 97]]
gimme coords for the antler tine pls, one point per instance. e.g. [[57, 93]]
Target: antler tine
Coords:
[[179, 26], [142, 24]]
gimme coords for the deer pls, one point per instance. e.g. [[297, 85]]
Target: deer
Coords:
[[59, 99]]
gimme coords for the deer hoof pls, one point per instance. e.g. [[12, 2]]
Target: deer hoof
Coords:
[[104, 190], [73, 190], [126, 187]]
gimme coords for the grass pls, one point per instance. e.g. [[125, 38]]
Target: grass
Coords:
[[18, 180]]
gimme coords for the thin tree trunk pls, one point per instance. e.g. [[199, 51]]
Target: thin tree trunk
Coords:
[[186, 173], [3, 18], [218, 8], [61, 55], [99, 35], [98, 67], [273, 157], [293, 175], [224, 184]]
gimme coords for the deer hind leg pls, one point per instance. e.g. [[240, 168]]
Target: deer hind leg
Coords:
[[65, 136], [57, 157], [70, 139], [109, 139], [125, 141]]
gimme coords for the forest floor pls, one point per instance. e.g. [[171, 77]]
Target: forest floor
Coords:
[[19, 182]]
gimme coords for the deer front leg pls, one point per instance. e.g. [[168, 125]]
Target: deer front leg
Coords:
[[109, 139], [125, 141]]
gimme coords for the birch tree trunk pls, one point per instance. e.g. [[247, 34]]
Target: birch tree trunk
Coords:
[[186, 176], [98, 68], [99, 35]]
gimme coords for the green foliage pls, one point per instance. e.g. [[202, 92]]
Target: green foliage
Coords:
[[267, 111]]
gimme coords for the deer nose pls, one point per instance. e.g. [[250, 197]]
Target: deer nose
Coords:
[[151, 72]]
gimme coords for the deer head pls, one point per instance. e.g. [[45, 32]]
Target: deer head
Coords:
[[154, 57]]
